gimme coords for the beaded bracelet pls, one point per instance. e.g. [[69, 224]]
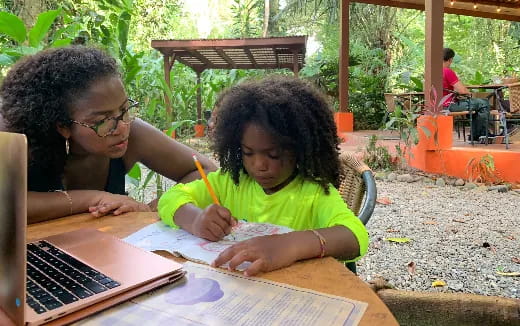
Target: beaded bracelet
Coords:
[[322, 243], [68, 198]]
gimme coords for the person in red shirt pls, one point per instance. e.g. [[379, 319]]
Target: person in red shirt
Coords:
[[480, 107]]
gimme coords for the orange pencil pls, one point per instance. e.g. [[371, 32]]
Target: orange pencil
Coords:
[[208, 185]]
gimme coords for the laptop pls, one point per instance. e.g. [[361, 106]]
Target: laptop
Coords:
[[65, 277]]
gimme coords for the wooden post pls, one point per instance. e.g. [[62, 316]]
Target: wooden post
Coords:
[[343, 56], [344, 119], [168, 64], [296, 66], [434, 11], [199, 98]]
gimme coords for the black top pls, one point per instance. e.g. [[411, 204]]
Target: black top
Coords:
[[38, 180]]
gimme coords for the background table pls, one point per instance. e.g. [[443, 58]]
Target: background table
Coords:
[[325, 275]]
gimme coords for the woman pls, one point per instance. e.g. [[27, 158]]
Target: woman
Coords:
[[72, 106]]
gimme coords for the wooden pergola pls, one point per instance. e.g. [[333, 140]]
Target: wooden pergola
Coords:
[[434, 11], [247, 53]]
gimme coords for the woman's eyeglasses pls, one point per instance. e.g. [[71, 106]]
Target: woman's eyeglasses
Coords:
[[107, 126]]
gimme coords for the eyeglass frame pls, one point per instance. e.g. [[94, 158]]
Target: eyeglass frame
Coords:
[[118, 119]]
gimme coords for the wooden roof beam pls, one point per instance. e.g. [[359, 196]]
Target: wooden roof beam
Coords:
[[482, 14], [447, 9], [199, 56], [251, 58], [225, 57], [298, 41], [287, 65], [514, 5]]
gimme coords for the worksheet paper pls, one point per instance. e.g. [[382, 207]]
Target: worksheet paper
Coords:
[[159, 236], [209, 296]]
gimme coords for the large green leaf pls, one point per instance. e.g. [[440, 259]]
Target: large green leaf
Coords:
[[12, 26], [42, 26], [20, 51], [62, 42], [6, 60], [135, 172], [122, 29]]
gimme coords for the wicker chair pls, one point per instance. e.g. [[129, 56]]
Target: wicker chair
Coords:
[[358, 189]]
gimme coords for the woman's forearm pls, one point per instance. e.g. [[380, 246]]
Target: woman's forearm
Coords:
[[43, 206]]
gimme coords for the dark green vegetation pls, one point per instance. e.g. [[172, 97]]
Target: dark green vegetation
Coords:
[[386, 46]]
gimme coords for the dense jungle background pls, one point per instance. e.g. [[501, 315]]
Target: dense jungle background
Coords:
[[386, 45]]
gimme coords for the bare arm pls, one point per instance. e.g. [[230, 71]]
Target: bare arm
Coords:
[[460, 88], [265, 254], [43, 206], [212, 223], [340, 241], [162, 154]]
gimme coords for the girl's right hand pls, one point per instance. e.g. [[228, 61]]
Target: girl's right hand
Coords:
[[213, 223], [109, 203]]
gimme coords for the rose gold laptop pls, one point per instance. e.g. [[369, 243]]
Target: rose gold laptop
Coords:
[[68, 276]]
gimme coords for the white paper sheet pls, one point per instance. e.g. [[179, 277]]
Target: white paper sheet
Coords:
[[211, 296], [159, 236]]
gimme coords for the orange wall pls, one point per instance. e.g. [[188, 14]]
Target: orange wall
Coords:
[[507, 164]]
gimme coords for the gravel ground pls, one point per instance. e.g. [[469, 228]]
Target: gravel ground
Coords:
[[462, 237]]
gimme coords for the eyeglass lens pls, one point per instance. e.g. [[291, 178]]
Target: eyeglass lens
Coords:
[[109, 125]]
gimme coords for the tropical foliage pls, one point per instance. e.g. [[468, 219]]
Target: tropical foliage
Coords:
[[386, 45]]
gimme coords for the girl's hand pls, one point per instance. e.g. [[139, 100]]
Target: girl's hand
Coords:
[[116, 205], [213, 223], [266, 253]]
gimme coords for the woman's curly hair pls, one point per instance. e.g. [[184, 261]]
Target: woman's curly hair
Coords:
[[293, 112], [38, 94]]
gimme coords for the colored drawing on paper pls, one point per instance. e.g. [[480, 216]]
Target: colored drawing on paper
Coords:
[[216, 246], [195, 290], [243, 231], [159, 236]]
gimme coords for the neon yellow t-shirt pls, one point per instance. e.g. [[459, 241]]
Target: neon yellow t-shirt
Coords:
[[300, 205]]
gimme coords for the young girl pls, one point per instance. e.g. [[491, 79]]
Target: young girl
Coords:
[[278, 150]]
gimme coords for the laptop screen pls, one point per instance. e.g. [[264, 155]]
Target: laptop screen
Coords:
[[13, 216]]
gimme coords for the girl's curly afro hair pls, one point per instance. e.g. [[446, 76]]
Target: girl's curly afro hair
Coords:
[[38, 94], [294, 112]]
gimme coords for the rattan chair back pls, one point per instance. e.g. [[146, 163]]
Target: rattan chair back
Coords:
[[357, 186]]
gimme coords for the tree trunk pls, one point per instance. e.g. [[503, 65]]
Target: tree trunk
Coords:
[[450, 309], [267, 10], [28, 10]]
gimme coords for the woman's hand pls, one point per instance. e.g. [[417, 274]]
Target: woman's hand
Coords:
[[116, 204], [213, 223], [266, 253]]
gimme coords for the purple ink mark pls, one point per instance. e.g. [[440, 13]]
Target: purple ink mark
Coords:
[[195, 290]]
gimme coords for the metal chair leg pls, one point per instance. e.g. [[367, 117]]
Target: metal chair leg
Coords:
[[464, 130], [471, 126], [487, 130], [506, 133]]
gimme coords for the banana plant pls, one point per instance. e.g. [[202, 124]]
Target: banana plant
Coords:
[[24, 41]]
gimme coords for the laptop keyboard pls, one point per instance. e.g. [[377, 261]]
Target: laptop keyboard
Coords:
[[54, 278]]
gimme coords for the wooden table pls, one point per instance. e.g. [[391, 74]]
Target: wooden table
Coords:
[[325, 275], [489, 86]]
